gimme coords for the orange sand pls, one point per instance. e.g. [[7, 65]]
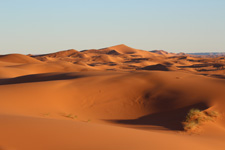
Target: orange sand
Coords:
[[115, 98]]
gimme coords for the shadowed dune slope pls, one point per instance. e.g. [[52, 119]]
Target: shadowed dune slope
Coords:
[[156, 67]]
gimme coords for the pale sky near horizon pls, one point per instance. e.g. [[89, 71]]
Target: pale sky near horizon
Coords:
[[44, 26]]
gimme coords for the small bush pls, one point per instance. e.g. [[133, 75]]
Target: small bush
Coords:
[[196, 117], [213, 114], [193, 114], [71, 116], [190, 125], [45, 114]]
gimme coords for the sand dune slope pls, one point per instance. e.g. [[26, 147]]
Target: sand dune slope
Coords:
[[48, 134], [18, 58], [113, 97], [117, 98], [124, 58]]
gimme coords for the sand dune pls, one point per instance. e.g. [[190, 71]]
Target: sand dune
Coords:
[[124, 58], [63, 134], [112, 98], [18, 58]]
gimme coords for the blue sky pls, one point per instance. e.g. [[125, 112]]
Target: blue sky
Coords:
[[44, 26]]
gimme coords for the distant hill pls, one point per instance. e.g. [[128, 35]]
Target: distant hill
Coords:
[[209, 53]]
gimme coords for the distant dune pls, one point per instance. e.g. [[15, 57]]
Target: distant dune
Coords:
[[17, 58], [117, 98], [209, 54]]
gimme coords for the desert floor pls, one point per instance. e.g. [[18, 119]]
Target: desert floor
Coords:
[[115, 98]]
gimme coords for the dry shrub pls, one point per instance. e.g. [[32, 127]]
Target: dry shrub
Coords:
[[196, 117]]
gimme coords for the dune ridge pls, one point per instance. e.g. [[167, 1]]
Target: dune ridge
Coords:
[[111, 98]]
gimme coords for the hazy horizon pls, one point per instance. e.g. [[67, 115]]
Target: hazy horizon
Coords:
[[196, 52], [38, 27]]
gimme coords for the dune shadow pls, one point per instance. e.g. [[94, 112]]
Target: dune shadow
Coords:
[[216, 66], [160, 67], [196, 66], [40, 78], [202, 70], [220, 76], [169, 119]]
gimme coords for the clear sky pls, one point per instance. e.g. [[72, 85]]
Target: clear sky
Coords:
[[43, 26]]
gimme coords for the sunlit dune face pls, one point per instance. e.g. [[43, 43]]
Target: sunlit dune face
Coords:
[[117, 97]]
